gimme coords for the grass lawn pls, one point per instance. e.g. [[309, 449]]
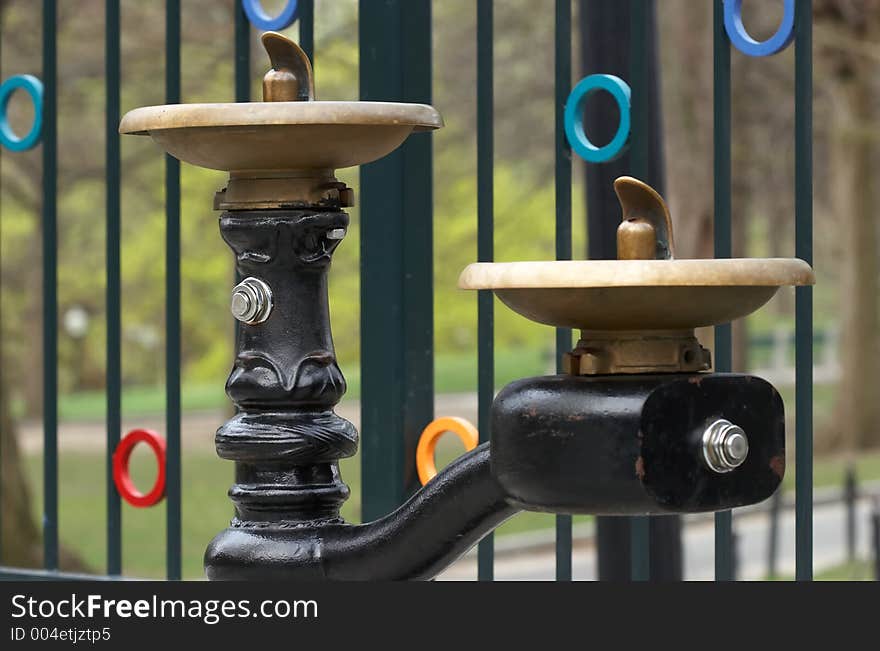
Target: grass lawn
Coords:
[[858, 570], [206, 509], [830, 471]]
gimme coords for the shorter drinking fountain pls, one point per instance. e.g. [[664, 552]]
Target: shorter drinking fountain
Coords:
[[637, 424]]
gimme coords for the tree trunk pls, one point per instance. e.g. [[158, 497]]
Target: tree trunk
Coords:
[[687, 99], [20, 536], [856, 424]]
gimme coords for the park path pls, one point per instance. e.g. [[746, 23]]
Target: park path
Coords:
[[537, 563], [197, 428]]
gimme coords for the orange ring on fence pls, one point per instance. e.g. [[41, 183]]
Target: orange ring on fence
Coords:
[[428, 443]]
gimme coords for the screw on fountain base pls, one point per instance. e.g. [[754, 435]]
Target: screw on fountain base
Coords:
[[290, 190], [652, 351]]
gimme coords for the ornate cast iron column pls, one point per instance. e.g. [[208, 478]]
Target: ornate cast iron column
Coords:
[[286, 440]]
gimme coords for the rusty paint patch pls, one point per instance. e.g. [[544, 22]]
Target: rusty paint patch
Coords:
[[640, 468], [777, 465]]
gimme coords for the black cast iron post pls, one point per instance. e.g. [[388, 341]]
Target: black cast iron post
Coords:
[[285, 439]]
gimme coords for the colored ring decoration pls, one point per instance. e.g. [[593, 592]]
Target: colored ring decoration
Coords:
[[33, 87], [574, 124], [740, 38], [121, 477], [428, 443], [261, 20]]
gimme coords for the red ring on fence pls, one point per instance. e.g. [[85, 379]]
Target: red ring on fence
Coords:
[[121, 477]]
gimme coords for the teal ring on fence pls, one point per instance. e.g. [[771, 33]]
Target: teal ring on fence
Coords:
[[740, 38], [574, 122], [261, 20], [34, 88]]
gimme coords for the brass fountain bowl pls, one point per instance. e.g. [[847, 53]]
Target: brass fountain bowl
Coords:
[[281, 152], [637, 314], [278, 136], [637, 294]]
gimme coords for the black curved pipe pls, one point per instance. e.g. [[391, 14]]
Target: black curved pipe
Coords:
[[430, 531], [447, 517]]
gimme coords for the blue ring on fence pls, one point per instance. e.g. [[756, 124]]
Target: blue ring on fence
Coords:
[[740, 38], [574, 122], [34, 88], [261, 20]]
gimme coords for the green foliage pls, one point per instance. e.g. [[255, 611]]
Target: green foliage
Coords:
[[523, 184], [524, 201]]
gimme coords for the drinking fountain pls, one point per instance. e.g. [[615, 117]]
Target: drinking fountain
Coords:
[[637, 424]]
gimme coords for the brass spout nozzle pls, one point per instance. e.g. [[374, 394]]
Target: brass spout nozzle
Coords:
[[646, 230], [290, 79]]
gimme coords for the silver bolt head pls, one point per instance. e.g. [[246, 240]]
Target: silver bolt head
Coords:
[[736, 446], [335, 233], [251, 301], [725, 446], [241, 304]]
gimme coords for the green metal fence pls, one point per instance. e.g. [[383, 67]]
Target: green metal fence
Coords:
[[396, 258]]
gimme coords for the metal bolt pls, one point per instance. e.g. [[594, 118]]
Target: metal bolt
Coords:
[[251, 301], [335, 233], [725, 446]]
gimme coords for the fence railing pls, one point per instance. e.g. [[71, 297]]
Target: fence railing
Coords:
[[396, 254]]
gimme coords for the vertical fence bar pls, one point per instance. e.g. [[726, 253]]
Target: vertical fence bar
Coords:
[[172, 302], [2, 449], [113, 298], [723, 244], [242, 55], [307, 28], [397, 295], [485, 247], [242, 28], [850, 497], [803, 126], [562, 84], [640, 526], [50, 286], [604, 29]]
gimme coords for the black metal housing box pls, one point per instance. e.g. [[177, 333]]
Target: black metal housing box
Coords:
[[631, 444]]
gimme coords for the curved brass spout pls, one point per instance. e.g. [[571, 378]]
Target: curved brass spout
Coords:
[[290, 79], [646, 230]]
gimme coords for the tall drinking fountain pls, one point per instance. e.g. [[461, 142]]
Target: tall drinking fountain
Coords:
[[637, 424]]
